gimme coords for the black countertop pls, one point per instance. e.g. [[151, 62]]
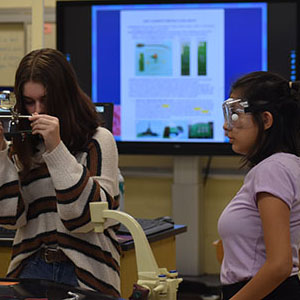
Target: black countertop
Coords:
[[126, 241]]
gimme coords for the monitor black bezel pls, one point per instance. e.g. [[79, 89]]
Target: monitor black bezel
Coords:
[[156, 148]]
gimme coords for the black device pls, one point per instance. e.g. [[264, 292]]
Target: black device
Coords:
[[10, 118], [150, 226], [5, 119], [167, 66], [106, 112]]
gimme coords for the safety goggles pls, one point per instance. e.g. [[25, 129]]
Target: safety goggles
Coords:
[[233, 109]]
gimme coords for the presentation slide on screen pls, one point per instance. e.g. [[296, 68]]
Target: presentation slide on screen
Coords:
[[168, 69], [171, 63]]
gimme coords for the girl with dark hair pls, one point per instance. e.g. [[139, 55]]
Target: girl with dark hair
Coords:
[[49, 177], [260, 227]]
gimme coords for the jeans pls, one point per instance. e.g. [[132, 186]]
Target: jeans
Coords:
[[62, 272]]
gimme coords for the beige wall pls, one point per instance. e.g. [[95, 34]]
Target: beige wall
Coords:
[[150, 196], [148, 191], [24, 3]]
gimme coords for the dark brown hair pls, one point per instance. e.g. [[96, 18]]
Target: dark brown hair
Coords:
[[267, 91], [64, 99]]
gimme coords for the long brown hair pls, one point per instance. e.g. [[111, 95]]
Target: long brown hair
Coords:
[[64, 99]]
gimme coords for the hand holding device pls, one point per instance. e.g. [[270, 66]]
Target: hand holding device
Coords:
[[48, 127]]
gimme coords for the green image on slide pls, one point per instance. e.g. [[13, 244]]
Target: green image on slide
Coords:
[[185, 60], [153, 59], [201, 131], [141, 63], [202, 59]]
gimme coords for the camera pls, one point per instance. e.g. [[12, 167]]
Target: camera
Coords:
[[10, 118]]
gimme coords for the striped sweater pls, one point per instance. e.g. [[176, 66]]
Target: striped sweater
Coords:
[[51, 207]]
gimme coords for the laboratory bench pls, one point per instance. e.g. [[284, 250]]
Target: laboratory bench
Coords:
[[163, 245]]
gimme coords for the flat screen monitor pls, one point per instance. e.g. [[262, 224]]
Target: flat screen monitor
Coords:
[[106, 112], [167, 66]]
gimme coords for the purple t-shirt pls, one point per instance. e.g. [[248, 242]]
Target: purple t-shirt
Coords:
[[240, 226]]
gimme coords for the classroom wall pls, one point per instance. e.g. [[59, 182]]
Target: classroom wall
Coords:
[[148, 192], [16, 34], [148, 178]]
